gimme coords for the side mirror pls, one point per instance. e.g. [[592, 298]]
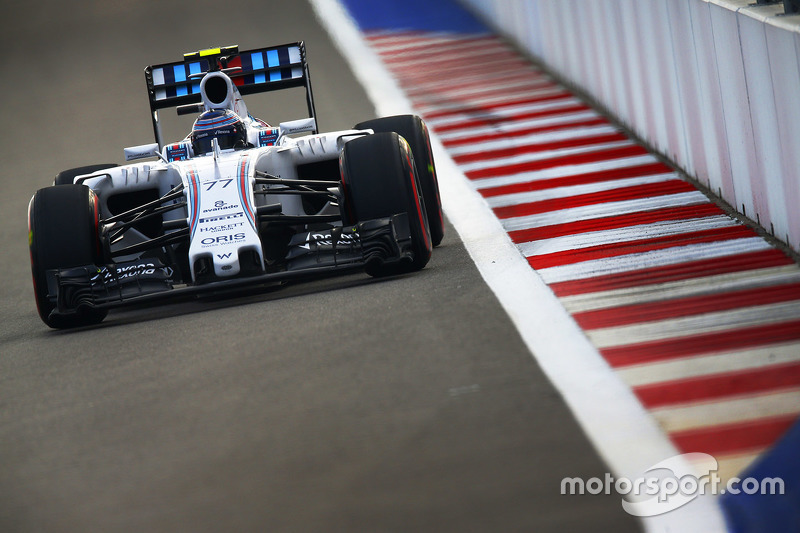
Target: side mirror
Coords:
[[142, 151], [298, 126]]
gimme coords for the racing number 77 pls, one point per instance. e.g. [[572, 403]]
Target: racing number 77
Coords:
[[211, 184]]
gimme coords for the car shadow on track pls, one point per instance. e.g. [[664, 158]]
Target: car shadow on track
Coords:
[[234, 298]]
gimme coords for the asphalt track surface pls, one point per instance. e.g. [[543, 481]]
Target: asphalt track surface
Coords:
[[345, 404]]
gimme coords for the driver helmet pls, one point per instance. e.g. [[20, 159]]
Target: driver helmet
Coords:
[[221, 124]]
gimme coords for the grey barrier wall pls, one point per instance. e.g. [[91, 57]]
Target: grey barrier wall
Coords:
[[714, 85]]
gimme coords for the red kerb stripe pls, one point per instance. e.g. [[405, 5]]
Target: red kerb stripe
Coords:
[[718, 386], [433, 99], [417, 49], [732, 438], [387, 41], [648, 190], [620, 221], [482, 108], [569, 257], [572, 159], [446, 57], [694, 305], [704, 343], [415, 76], [638, 171], [506, 134], [538, 147], [444, 88], [665, 274], [436, 64], [497, 120]]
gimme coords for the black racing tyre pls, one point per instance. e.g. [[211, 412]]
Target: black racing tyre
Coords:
[[379, 180], [415, 132], [63, 233], [66, 177]]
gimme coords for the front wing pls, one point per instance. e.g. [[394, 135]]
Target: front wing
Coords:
[[145, 281]]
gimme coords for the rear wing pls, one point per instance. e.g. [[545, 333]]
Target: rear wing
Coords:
[[252, 71]]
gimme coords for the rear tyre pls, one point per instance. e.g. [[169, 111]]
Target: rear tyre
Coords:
[[379, 180], [67, 177], [415, 132], [63, 233]]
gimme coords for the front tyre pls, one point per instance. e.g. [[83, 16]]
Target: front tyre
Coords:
[[63, 233], [379, 180], [414, 130]]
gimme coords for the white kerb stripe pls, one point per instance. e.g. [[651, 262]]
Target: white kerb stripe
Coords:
[[506, 112], [698, 366], [574, 190], [605, 209], [534, 138], [498, 162], [704, 285], [729, 411], [517, 125], [491, 98], [630, 233], [564, 170], [515, 83], [686, 326], [651, 259]]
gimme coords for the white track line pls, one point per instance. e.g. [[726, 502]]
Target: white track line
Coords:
[[624, 433]]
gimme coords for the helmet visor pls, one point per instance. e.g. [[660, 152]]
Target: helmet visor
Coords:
[[226, 137]]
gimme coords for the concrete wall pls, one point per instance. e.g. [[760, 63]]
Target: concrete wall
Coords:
[[712, 84]]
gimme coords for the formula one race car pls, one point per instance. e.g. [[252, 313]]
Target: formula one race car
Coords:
[[237, 202]]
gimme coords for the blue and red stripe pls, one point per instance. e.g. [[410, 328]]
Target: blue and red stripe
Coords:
[[243, 173], [194, 192]]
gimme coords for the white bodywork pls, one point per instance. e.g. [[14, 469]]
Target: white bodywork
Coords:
[[221, 207]]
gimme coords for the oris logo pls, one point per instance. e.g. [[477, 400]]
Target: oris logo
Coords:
[[222, 239]]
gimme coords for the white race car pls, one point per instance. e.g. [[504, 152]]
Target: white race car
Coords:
[[237, 201]]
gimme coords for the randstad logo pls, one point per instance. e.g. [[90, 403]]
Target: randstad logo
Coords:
[[671, 484]]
